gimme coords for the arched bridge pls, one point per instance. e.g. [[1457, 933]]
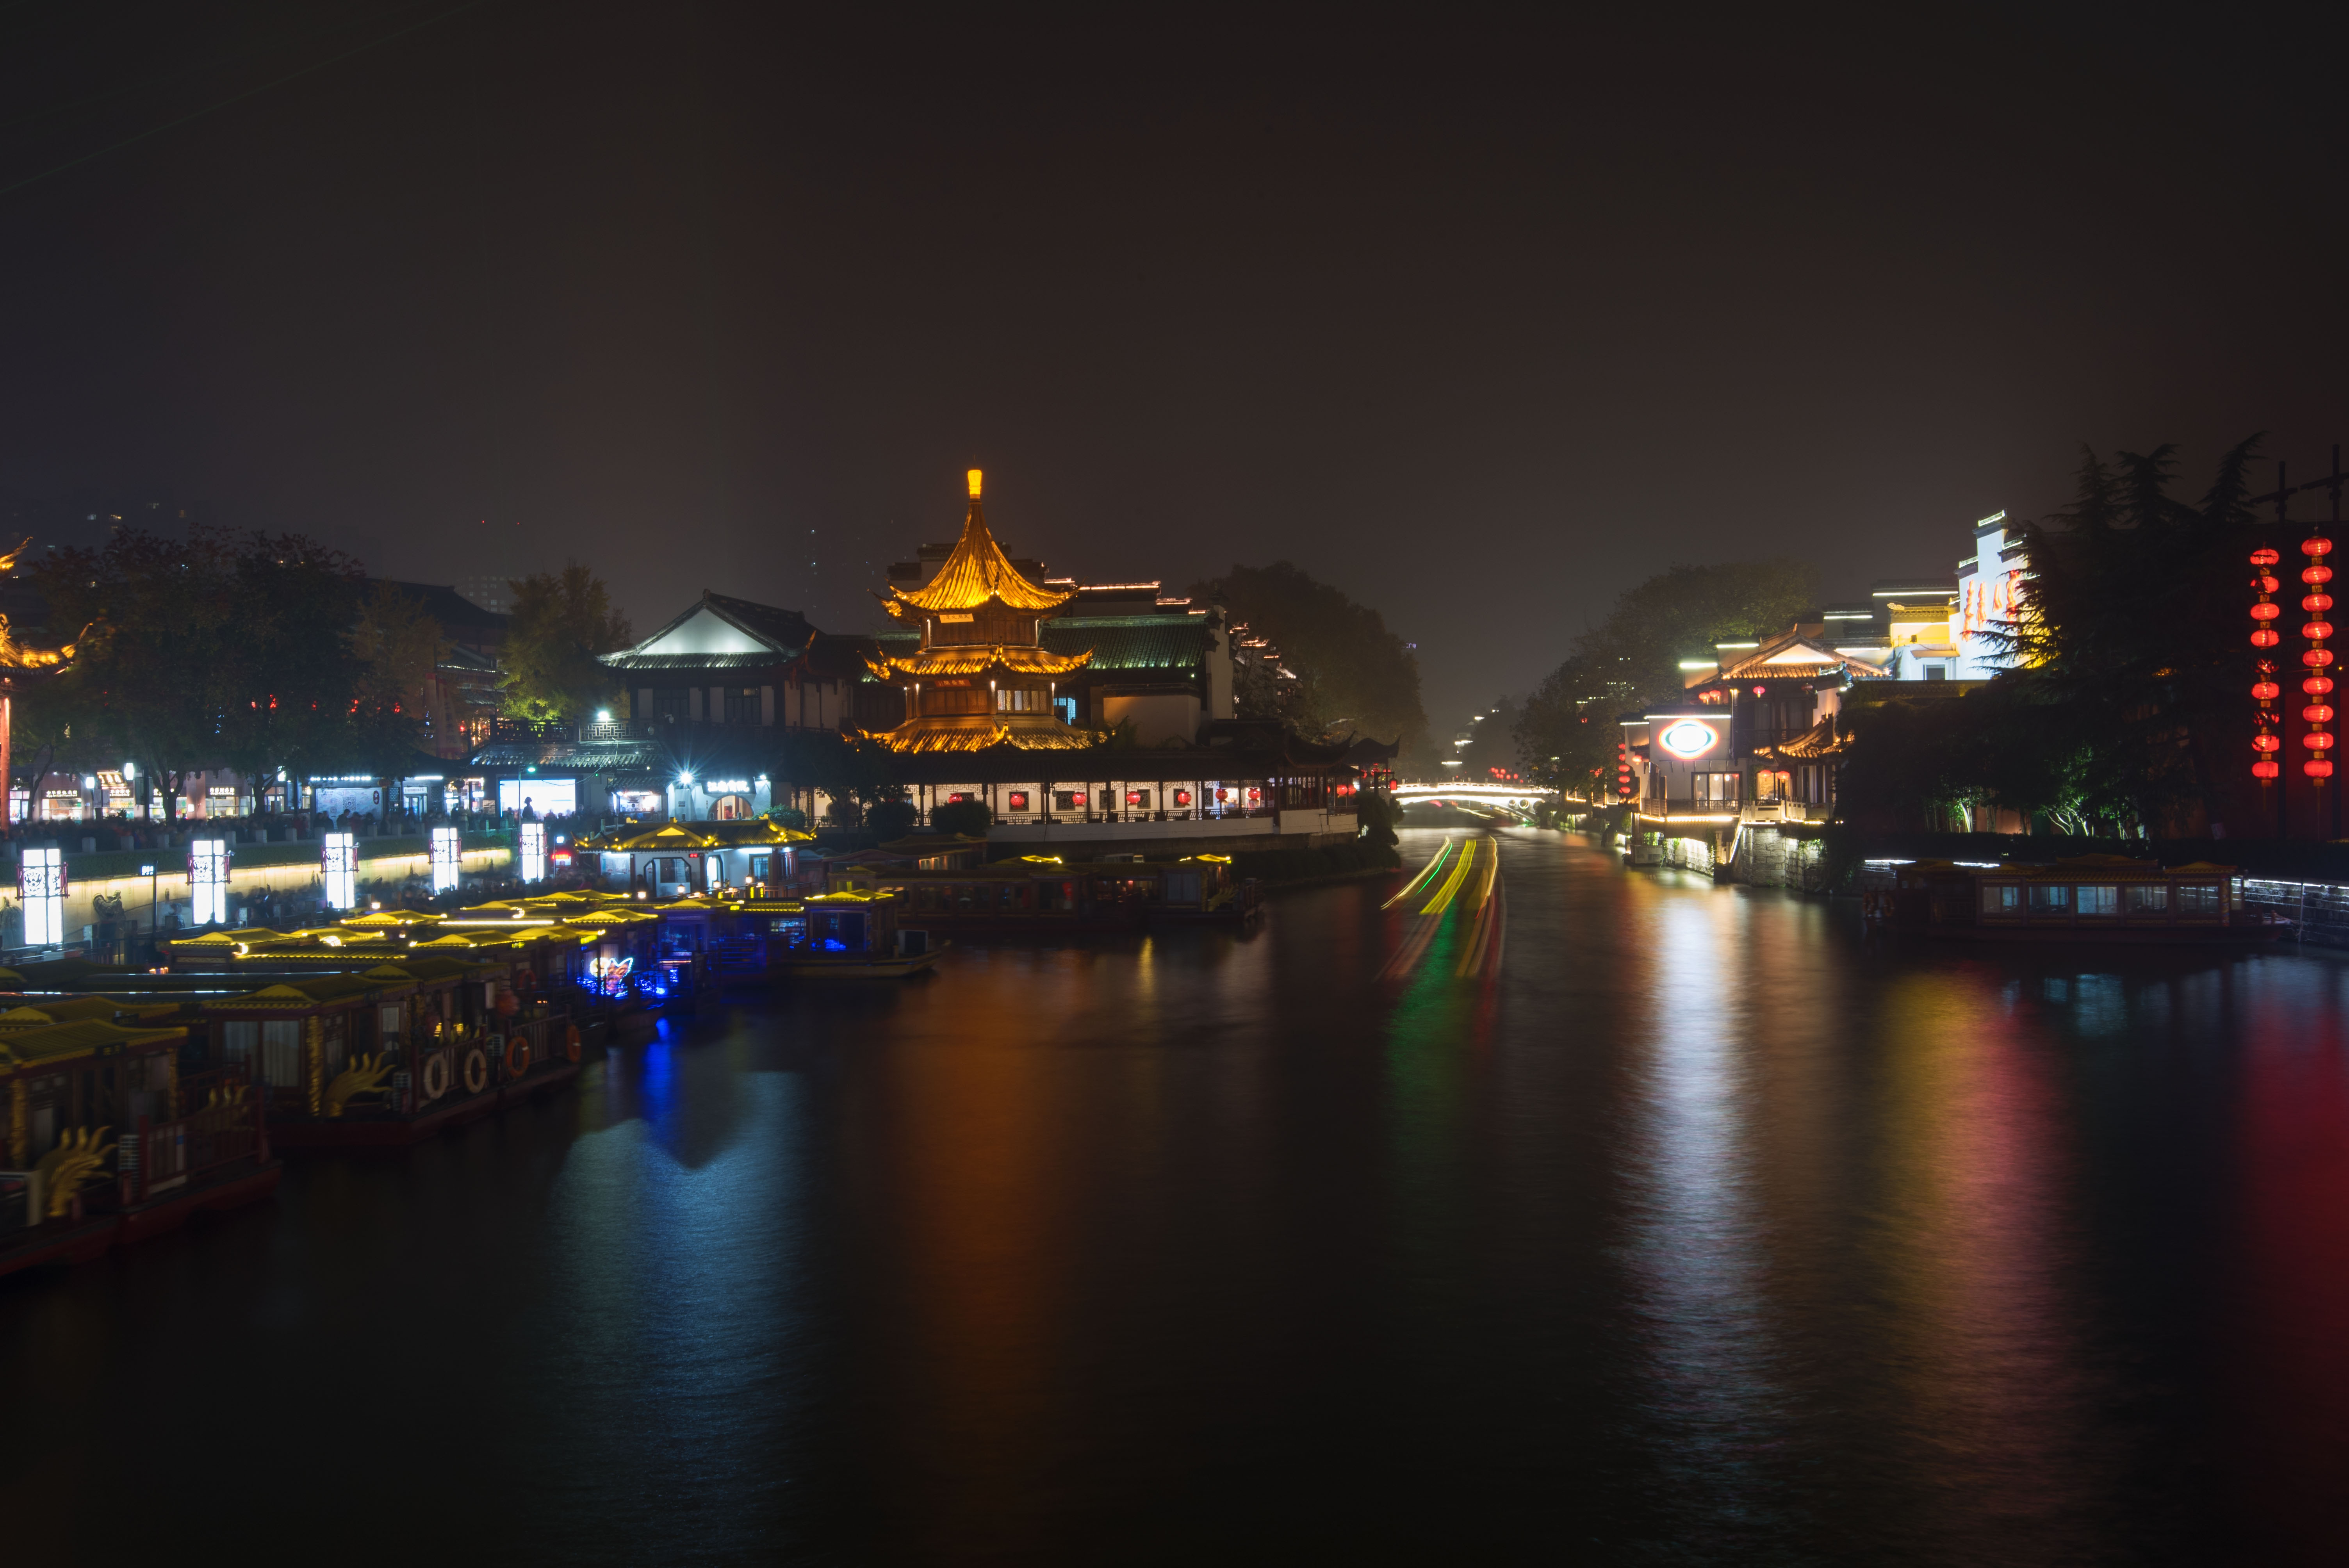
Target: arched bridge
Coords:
[[1512, 797]]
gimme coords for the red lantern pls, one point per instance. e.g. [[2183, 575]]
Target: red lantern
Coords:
[[2266, 613], [2316, 546], [2316, 603], [2265, 691], [2317, 685], [2264, 770], [2263, 611], [2317, 658], [2264, 583], [2320, 769], [2317, 713], [2266, 637], [2264, 556], [2316, 574], [2263, 741], [2317, 631], [2317, 740]]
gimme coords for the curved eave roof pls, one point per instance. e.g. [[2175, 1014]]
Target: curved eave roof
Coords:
[[976, 572], [977, 658], [978, 732]]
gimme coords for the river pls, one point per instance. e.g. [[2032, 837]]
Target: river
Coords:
[[1688, 1224]]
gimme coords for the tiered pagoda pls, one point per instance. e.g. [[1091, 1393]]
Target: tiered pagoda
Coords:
[[981, 678]]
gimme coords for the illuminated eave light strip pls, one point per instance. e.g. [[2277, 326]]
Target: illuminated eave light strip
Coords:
[[1699, 664]]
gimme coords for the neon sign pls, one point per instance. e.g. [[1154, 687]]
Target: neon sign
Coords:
[[611, 975], [1688, 739]]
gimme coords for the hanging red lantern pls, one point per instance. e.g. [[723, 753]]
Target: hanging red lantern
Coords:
[[2318, 713], [2317, 685], [2265, 612]]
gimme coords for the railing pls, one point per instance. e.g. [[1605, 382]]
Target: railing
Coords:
[[161, 1155]]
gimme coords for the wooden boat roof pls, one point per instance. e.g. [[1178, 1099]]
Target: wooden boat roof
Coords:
[[56, 1042], [74, 1009]]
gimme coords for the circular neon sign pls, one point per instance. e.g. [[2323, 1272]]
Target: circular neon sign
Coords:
[[1687, 738]]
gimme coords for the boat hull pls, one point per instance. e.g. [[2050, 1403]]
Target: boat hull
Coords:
[[857, 967]]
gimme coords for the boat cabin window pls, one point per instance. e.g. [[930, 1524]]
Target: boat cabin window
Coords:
[[2050, 898], [238, 1039], [838, 931], [1182, 887], [2099, 900], [2152, 899], [2001, 899], [281, 1052], [2198, 897], [761, 867]]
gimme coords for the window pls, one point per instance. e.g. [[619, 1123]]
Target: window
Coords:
[[1068, 800], [673, 705], [761, 867], [2148, 900], [2099, 900], [1018, 800], [448, 854], [1009, 699], [2052, 898], [2001, 899], [743, 705], [387, 1025], [238, 1039], [1716, 788], [1066, 706], [2198, 897], [281, 1052]]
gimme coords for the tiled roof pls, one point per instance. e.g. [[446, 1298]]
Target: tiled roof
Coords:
[[976, 572], [1132, 642], [698, 661]]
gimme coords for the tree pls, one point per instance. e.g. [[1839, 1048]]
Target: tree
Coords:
[[2130, 640], [292, 677], [396, 643], [560, 623], [1567, 733], [1346, 672], [153, 672], [968, 818]]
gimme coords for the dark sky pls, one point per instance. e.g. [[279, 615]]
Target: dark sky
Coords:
[[1481, 323]]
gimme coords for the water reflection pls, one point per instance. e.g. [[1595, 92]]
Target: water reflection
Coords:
[[1696, 1228]]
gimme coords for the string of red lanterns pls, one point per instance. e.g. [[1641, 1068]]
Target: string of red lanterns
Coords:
[[2318, 685], [2264, 691]]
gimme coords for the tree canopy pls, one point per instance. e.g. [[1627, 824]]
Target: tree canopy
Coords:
[[1567, 732], [559, 621], [1353, 675]]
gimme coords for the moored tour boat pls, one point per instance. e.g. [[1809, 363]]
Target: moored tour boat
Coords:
[[2083, 899]]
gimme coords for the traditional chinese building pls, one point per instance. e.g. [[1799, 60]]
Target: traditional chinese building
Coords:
[[981, 676]]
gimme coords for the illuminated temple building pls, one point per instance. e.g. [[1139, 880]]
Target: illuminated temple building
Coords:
[[981, 676]]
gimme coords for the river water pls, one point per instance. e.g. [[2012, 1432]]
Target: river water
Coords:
[[1652, 1221]]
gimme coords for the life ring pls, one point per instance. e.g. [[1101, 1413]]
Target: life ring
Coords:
[[436, 1076], [477, 1071], [517, 1056], [571, 1042]]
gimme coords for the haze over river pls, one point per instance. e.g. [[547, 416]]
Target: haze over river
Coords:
[[1621, 1218]]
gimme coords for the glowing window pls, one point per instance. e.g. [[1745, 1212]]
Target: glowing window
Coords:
[[208, 880], [41, 888], [448, 854], [533, 851]]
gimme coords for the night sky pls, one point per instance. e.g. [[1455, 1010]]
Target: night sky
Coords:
[[1481, 323]]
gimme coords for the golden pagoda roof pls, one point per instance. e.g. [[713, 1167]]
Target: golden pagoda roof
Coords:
[[976, 572], [976, 658], [978, 731]]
